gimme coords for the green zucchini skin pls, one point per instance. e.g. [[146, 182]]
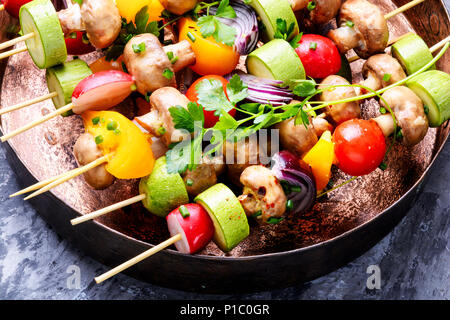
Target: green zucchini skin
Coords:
[[433, 87], [271, 10], [63, 79], [412, 53], [48, 47], [276, 60]]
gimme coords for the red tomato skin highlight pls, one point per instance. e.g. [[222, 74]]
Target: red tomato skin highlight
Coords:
[[77, 47], [360, 146], [322, 61], [13, 6], [191, 94]]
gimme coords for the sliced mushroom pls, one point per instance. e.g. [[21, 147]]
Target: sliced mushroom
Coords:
[[409, 112], [362, 27], [298, 139], [86, 151], [102, 21], [381, 70], [343, 111], [298, 5], [321, 125], [179, 7], [159, 121], [70, 19], [201, 178], [151, 66], [262, 193]]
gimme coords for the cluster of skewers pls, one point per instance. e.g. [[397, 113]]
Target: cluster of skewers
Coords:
[[113, 147]]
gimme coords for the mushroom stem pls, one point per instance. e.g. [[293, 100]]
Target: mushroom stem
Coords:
[[182, 53], [345, 38], [386, 124]]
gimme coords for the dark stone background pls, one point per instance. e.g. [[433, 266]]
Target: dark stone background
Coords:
[[414, 258]]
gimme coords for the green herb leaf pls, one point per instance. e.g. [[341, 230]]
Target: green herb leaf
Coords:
[[304, 88], [138, 48], [237, 90], [167, 73]]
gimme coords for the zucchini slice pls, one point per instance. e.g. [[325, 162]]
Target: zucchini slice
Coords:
[[412, 53], [270, 11], [433, 87], [63, 79], [276, 60], [48, 47]]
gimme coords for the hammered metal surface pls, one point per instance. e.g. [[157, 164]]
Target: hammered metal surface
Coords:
[[46, 151]]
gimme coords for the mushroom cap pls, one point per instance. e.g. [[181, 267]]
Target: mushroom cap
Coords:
[[298, 139], [102, 22], [409, 112], [148, 67], [324, 11], [344, 111], [262, 191], [383, 64], [179, 7], [370, 24]]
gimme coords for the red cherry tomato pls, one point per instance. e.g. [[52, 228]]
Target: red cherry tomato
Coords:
[[191, 94], [197, 229], [319, 55], [77, 46], [13, 6], [360, 146]]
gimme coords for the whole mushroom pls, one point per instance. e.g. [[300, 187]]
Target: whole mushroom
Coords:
[[158, 121], [85, 151], [324, 11], [262, 193], [381, 70], [151, 66], [362, 27], [409, 113], [344, 111], [298, 139], [179, 7]]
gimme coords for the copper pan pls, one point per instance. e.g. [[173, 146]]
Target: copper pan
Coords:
[[340, 227]]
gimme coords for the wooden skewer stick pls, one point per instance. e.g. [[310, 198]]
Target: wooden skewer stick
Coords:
[[138, 258], [106, 210], [14, 41], [67, 177], [433, 49], [12, 52], [403, 8], [28, 103], [42, 184], [37, 122]]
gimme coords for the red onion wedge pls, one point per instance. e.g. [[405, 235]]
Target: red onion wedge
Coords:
[[297, 181], [246, 25]]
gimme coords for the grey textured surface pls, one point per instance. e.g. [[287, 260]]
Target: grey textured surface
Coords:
[[414, 258]]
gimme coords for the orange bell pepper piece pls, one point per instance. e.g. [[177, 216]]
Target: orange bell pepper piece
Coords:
[[102, 65], [321, 158], [132, 156]]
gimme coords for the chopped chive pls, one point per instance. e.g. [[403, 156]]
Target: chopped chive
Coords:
[[95, 120], [399, 134], [138, 48], [189, 182], [296, 188], [382, 110], [383, 166], [147, 96], [289, 205], [257, 214], [167, 73], [133, 87], [184, 212], [350, 24], [386, 77], [311, 5], [98, 139], [313, 45], [117, 131], [170, 55], [112, 125], [191, 36], [273, 220], [174, 60], [161, 131]]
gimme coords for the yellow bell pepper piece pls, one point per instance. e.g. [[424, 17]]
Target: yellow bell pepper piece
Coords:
[[130, 148], [320, 158], [128, 9]]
